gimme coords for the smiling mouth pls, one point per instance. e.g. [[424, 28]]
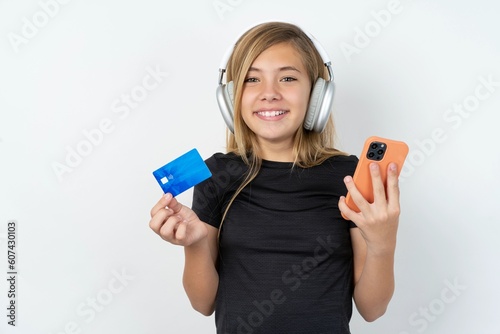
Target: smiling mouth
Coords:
[[273, 113]]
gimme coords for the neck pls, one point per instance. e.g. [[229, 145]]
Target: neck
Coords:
[[281, 152]]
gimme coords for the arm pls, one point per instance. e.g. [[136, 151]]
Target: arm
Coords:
[[179, 225], [201, 279], [374, 242], [373, 277]]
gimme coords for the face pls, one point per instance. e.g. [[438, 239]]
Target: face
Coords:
[[275, 95]]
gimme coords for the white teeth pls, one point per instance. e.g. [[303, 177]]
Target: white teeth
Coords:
[[271, 113]]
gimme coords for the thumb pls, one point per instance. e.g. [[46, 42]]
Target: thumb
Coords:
[[172, 203]]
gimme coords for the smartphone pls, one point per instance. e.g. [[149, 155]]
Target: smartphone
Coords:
[[382, 151]]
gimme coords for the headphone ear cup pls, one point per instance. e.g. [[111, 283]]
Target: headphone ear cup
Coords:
[[326, 107], [320, 105], [225, 100], [315, 102], [230, 94]]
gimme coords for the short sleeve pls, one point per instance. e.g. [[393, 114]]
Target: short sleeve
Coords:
[[350, 171], [211, 196], [205, 203]]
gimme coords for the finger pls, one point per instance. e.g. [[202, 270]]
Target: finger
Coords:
[[159, 219], [181, 232], [377, 185], [393, 187], [356, 196], [172, 203], [346, 211], [169, 228], [161, 204]]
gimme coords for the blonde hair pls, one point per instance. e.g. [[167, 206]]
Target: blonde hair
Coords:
[[309, 148]]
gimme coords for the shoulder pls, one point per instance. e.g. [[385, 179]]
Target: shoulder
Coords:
[[340, 164], [344, 159], [226, 163], [223, 159], [347, 162]]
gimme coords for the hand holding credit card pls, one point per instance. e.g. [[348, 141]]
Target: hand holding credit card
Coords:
[[182, 173]]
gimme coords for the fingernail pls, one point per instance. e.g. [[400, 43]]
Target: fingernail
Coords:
[[167, 196], [373, 166], [392, 167], [347, 179]]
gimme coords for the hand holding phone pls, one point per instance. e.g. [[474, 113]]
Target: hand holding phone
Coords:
[[379, 150]]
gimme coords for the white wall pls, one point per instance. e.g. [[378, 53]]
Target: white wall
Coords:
[[84, 223]]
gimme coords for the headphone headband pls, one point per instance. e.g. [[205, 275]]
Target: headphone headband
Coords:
[[322, 52]]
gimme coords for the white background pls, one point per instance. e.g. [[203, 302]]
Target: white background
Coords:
[[82, 226]]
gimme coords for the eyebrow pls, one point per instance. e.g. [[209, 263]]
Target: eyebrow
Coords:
[[283, 68]]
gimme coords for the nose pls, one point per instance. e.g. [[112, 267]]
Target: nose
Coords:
[[270, 91]]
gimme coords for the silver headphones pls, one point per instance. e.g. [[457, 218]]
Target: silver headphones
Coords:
[[320, 102]]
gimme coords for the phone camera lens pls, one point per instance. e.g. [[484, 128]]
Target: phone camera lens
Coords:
[[380, 152], [374, 146], [371, 155]]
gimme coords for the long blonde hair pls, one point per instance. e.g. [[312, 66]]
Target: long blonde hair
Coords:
[[309, 148]]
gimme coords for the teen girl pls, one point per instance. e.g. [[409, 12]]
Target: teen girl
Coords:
[[266, 248]]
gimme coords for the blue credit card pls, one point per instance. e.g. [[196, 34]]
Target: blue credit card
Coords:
[[182, 173]]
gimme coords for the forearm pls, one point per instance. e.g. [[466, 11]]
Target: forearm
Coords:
[[200, 278], [375, 287]]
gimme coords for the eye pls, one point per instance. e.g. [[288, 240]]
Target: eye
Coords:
[[288, 79], [251, 79]]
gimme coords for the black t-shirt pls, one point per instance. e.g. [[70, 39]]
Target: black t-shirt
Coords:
[[285, 257]]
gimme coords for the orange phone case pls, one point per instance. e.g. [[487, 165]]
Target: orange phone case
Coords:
[[393, 151]]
